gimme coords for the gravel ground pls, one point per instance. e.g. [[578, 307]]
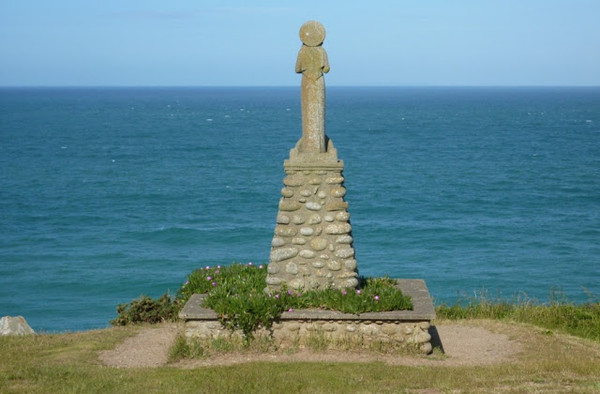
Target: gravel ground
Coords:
[[461, 344]]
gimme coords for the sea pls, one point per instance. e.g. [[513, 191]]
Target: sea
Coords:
[[107, 194]]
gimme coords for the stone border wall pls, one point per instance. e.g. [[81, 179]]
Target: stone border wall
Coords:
[[396, 329]]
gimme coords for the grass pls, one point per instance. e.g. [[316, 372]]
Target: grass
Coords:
[[69, 363], [195, 349], [559, 314], [550, 360]]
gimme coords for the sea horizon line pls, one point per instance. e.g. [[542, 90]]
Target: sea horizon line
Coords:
[[407, 86]]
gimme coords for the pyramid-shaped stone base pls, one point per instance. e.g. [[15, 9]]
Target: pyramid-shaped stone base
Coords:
[[313, 246]]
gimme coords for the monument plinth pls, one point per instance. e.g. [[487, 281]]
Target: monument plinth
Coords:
[[313, 247]]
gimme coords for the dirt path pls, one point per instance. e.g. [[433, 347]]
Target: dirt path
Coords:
[[149, 348], [462, 344]]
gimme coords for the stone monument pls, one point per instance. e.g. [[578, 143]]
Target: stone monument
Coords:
[[312, 247]]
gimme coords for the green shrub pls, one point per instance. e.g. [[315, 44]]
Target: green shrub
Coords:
[[146, 310]]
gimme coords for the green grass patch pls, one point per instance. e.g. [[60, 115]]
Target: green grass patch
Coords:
[[559, 314], [68, 363], [194, 348]]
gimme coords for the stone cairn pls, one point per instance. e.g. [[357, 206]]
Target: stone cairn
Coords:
[[312, 247]]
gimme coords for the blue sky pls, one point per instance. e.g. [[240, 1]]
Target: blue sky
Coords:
[[255, 43]]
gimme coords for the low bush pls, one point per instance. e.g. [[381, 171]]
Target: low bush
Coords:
[[146, 310]]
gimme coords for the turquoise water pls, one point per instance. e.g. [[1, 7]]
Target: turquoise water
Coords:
[[106, 194]]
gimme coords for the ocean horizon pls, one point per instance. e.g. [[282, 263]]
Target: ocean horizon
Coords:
[[107, 193]]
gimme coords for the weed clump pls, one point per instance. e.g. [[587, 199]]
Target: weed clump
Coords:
[[146, 310]]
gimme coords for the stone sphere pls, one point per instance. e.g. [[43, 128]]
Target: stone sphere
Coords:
[[312, 33]]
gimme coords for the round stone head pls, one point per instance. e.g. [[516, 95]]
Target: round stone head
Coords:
[[312, 33]]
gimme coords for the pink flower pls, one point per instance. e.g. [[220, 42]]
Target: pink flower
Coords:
[[344, 292], [207, 267], [187, 282], [260, 267], [290, 292], [218, 266], [277, 296], [250, 263], [376, 298], [290, 310], [357, 291], [208, 277], [214, 283]]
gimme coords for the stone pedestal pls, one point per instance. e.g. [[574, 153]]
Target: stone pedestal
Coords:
[[389, 330], [313, 247]]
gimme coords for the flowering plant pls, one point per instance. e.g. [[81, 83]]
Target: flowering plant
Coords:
[[237, 294]]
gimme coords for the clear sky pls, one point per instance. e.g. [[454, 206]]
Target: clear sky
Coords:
[[255, 43]]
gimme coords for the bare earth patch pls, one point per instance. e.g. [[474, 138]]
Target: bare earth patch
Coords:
[[462, 344], [474, 345], [149, 348]]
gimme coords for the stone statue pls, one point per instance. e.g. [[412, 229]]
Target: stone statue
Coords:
[[312, 63]]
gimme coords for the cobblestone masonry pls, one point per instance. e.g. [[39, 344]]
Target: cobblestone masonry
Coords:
[[313, 247], [334, 333]]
